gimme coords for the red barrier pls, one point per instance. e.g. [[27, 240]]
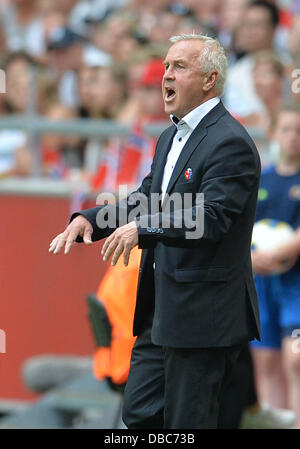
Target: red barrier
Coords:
[[42, 306]]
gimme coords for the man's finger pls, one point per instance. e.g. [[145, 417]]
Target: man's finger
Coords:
[[110, 249], [126, 256], [52, 245], [70, 240], [117, 253], [57, 246], [55, 239], [54, 242], [87, 236], [107, 243]]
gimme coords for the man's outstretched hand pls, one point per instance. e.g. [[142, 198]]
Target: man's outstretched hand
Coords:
[[122, 240], [79, 227]]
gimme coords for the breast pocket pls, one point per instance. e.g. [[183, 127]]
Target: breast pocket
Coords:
[[182, 187]]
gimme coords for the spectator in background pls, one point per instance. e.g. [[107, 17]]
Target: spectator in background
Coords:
[[29, 85], [268, 78], [101, 91], [277, 365], [65, 53], [127, 161], [178, 20], [15, 158], [105, 93], [19, 69], [256, 33], [231, 16], [59, 153], [269, 83], [164, 26], [147, 13], [133, 106], [22, 26], [86, 81], [188, 24], [207, 12], [116, 36], [52, 17], [84, 12]]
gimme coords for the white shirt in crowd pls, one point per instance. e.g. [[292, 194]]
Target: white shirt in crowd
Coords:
[[10, 141]]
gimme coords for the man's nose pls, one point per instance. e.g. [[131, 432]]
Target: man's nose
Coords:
[[168, 73]]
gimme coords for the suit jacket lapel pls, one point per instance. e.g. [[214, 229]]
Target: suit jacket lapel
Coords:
[[195, 139]]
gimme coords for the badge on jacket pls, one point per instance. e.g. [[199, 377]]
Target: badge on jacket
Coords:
[[188, 173]]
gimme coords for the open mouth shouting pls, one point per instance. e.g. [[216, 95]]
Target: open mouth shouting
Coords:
[[170, 94]]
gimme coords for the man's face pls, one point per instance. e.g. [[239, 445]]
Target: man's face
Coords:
[[267, 81], [287, 134], [182, 84], [257, 29], [18, 82]]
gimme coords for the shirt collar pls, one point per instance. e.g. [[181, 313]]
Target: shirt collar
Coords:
[[193, 118]]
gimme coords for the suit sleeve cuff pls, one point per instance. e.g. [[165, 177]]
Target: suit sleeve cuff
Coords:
[[148, 236], [90, 215]]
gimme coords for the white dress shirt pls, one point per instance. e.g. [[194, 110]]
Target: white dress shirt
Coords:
[[185, 127]]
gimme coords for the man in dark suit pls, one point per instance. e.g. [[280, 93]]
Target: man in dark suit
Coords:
[[196, 301]]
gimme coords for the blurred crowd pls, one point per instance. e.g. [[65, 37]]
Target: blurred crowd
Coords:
[[102, 59]]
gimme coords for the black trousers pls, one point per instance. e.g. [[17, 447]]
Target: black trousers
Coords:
[[239, 392], [176, 388]]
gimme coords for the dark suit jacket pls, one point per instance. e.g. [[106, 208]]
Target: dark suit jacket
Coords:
[[202, 288]]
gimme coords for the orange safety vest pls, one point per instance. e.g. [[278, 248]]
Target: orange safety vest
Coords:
[[117, 291]]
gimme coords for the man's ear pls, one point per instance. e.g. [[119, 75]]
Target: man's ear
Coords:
[[210, 80]]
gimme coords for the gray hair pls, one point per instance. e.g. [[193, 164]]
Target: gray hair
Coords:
[[212, 57]]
